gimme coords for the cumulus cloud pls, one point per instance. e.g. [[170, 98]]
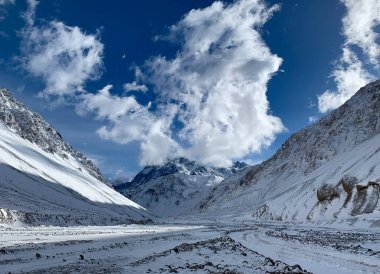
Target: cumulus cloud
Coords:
[[134, 87], [351, 73], [130, 121], [359, 25], [210, 100], [350, 76], [211, 95], [63, 57], [219, 79]]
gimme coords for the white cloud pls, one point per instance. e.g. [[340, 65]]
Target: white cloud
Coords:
[[211, 102], [313, 119], [30, 13], [349, 76], [5, 2], [64, 57], [2, 8], [359, 29], [252, 162], [219, 79], [211, 96], [130, 121], [134, 87], [359, 26]]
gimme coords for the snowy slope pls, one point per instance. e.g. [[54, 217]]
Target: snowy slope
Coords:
[[176, 187], [32, 127], [289, 185], [42, 186]]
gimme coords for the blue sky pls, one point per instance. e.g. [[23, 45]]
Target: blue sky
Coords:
[[304, 58]]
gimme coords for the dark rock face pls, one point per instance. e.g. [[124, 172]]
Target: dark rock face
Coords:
[[366, 198], [327, 192], [32, 127], [207, 257], [349, 183]]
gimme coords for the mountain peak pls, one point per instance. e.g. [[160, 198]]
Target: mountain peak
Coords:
[[32, 127], [185, 166], [343, 143], [45, 181], [179, 181]]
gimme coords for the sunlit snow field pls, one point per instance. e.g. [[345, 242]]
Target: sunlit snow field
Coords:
[[243, 248]]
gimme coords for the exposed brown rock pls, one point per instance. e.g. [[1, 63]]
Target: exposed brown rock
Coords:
[[327, 192]]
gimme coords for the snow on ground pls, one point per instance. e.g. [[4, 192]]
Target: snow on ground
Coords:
[[344, 143], [318, 250], [187, 248], [294, 197], [30, 159], [44, 188]]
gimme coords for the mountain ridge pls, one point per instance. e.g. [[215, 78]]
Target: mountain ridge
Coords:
[[32, 127], [45, 181], [329, 141], [312, 161], [178, 181]]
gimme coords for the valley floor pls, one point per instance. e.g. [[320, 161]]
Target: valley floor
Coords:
[[185, 248]]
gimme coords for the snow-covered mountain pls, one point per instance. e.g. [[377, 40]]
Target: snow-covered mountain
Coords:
[[329, 170], [176, 187], [45, 181], [32, 127]]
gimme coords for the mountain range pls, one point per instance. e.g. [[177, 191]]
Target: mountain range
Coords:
[[176, 187], [326, 172]]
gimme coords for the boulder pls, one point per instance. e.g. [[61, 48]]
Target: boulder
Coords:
[[349, 183], [327, 192]]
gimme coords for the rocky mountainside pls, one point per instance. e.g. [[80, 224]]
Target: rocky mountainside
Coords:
[[307, 176], [176, 187], [32, 127], [45, 181]]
